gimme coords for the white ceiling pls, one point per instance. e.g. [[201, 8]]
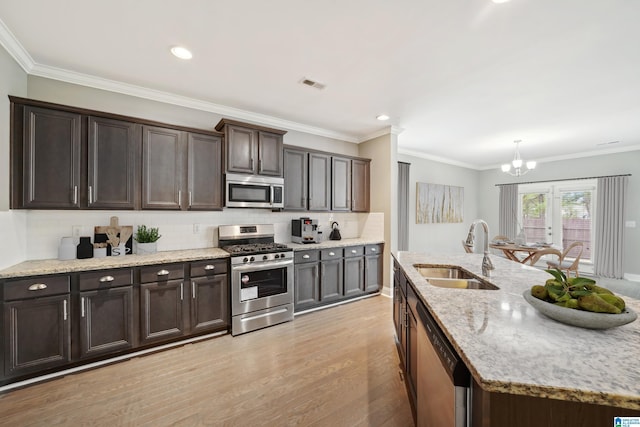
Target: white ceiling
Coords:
[[463, 78]]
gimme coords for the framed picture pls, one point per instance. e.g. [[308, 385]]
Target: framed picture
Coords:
[[436, 203]]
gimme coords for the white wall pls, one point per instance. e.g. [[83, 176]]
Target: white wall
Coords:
[[13, 81], [605, 164], [442, 238]]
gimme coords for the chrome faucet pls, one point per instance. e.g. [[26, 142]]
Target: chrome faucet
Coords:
[[487, 265]]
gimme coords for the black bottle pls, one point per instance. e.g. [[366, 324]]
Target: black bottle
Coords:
[[85, 248]]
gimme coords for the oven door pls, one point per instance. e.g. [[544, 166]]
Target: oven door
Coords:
[[259, 286]]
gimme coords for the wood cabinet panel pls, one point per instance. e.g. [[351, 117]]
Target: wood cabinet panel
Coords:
[[295, 179], [204, 183], [373, 267], [209, 303], [340, 184], [319, 182], [112, 164], [331, 280], [353, 276], [51, 153], [162, 168], [161, 310], [242, 150], [36, 287], [360, 186], [269, 154], [106, 321], [36, 334], [307, 285]]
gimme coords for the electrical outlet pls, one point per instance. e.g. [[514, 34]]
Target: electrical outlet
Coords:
[[196, 228], [76, 230]]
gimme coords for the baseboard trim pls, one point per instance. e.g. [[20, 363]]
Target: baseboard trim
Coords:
[[632, 277]]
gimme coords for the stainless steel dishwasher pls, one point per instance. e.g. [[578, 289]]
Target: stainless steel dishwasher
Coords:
[[443, 387]]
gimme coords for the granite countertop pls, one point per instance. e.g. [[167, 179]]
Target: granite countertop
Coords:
[[510, 348], [333, 244], [52, 266]]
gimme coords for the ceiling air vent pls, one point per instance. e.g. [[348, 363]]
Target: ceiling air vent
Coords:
[[312, 83]]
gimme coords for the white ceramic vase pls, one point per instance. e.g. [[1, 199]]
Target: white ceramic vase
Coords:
[[67, 249], [146, 248]]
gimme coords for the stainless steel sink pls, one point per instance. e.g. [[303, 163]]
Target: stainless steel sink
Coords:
[[452, 277]]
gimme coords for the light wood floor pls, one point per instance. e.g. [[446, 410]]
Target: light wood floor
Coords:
[[334, 367]]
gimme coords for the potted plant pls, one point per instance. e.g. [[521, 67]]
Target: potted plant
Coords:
[[146, 240]]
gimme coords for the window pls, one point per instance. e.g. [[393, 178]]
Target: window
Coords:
[[559, 213]]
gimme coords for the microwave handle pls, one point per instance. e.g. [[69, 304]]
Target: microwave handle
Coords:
[[273, 194]]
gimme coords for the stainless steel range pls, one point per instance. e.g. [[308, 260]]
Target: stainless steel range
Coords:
[[261, 277]]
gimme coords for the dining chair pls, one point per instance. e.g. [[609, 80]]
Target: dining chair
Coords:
[[560, 263], [500, 238]]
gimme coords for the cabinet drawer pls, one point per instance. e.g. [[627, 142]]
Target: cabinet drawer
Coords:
[[36, 287], [306, 256], [333, 253], [104, 279], [353, 251], [208, 267], [162, 272], [373, 249]]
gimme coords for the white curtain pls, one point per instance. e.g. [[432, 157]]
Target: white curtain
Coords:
[[609, 248], [508, 216], [403, 206]]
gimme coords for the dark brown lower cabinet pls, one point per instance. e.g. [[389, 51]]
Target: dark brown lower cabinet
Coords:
[[353, 276], [373, 268], [161, 310], [331, 275], [37, 334], [306, 272], [209, 306], [106, 321]]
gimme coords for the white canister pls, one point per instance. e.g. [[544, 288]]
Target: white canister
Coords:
[[67, 249], [99, 252]]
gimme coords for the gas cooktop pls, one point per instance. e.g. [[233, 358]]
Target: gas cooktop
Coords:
[[256, 248]]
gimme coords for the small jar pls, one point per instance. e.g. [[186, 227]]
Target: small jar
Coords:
[[85, 248], [67, 249]]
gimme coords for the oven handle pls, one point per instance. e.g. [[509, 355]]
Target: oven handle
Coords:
[[254, 267]]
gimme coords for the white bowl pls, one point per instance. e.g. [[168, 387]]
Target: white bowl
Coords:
[[583, 319]]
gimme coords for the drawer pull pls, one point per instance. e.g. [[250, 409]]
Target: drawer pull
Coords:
[[37, 287], [105, 279], [332, 254], [373, 249], [209, 267], [163, 273], [353, 251], [305, 256]]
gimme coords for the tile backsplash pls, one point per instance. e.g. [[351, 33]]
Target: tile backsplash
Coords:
[[185, 230]]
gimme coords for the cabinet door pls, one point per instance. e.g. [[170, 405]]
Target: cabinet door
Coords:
[[340, 184], [36, 334], [162, 168], [270, 154], [204, 183], [52, 159], [242, 151], [359, 186], [295, 179], [106, 321], [209, 303], [331, 280], [397, 310], [412, 351], [373, 278], [353, 276], [402, 337], [113, 155], [306, 285], [161, 310], [319, 182]]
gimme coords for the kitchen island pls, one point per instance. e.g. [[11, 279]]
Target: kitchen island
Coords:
[[527, 368]]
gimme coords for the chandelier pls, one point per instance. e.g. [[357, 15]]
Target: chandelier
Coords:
[[517, 163]]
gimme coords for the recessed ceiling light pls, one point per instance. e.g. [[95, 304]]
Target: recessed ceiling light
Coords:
[[382, 117], [181, 52]]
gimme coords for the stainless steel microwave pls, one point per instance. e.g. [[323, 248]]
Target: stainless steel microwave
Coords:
[[252, 191]]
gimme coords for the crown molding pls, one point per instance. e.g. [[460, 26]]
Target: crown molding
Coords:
[[445, 160], [15, 49], [389, 130]]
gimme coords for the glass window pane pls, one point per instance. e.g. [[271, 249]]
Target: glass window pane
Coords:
[[576, 220]]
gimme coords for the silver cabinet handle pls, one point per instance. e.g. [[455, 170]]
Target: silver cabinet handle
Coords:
[[353, 251], [180, 198], [331, 254], [209, 267], [75, 194], [305, 256], [190, 198], [181, 291], [37, 287], [105, 279], [64, 308], [251, 163], [82, 307], [193, 290], [163, 273], [90, 194]]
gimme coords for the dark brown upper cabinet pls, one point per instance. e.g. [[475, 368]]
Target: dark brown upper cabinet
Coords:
[[295, 179], [252, 149], [112, 165], [340, 184], [360, 185], [46, 158], [319, 182], [180, 170]]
